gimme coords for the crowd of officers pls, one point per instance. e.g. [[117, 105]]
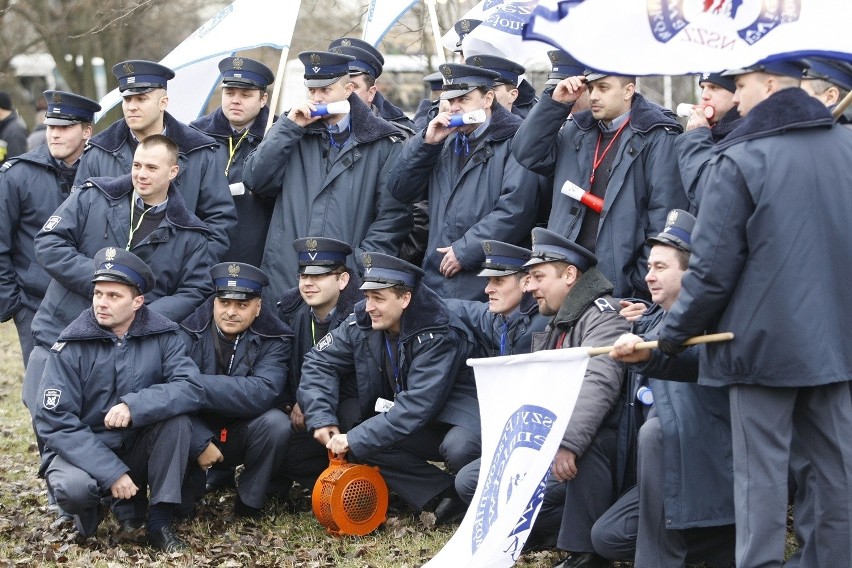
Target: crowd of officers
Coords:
[[194, 298]]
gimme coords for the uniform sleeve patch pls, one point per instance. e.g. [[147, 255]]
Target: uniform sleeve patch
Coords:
[[604, 305], [51, 398], [324, 342], [52, 221]]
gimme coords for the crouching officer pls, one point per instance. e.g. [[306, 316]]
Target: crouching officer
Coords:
[[101, 409], [390, 386], [243, 351]]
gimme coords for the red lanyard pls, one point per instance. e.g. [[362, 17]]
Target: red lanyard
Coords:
[[597, 161]]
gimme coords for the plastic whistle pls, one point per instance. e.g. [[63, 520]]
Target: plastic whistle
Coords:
[[339, 107], [472, 117], [574, 191], [683, 109]]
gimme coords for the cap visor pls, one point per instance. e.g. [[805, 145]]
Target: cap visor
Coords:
[[318, 83], [667, 240], [537, 260], [595, 76], [735, 72], [60, 122], [446, 95], [313, 269], [130, 91], [553, 80], [241, 84], [489, 272], [368, 285], [232, 295], [114, 277]]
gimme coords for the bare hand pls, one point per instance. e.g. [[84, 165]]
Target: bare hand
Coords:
[[338, 444], [565, 465], [118, 417], [297, 418], [631, 310], [697, 118], [301, 114], [438, 129], [325, 434], [625, 349], [450, 266], [569, 89], [123, 488], [211, 454]]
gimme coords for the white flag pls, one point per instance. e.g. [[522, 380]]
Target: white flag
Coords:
[[675, 37], [381, 15], [525, 402], [243, 25], [501, 32]]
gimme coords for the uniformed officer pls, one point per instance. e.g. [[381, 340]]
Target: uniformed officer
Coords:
[[364, 70], [243, 352], [238, 125], [327, 173], [101, 411], [566, 283], [427, 109], [829, 80], [462, 28], [326, 295], [32, 186], [511, 90], [475, 188], [144, 100], [390, 386]]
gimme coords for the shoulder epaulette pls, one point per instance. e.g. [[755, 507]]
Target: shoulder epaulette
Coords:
[[58, 346], [425, 336]]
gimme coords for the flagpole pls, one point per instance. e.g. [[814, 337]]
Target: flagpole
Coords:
[[841, 106], [279, 78], [710, 338], [436, 31]]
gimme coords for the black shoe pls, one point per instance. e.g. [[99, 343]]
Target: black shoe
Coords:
[[131, 525], [243, 511], [449, 510], [165, 539], [87, 525], [219, 478], [583, 560]]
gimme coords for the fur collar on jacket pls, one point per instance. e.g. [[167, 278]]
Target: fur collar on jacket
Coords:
[[644, 117], [589, 287], [215, 124], [186, 138], [116, 188], [146, 322], [787, 109], [265, 325]]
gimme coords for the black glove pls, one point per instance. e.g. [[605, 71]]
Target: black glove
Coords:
[[670, 347]]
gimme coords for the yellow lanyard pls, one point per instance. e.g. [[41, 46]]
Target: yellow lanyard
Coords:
[[232, 149]]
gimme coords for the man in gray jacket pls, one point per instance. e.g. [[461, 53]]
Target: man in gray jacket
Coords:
[[565, 281]]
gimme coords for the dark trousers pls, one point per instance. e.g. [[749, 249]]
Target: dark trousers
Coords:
[[405, 466], [157, 459], [635, 529], [23, 323], [768, 426]]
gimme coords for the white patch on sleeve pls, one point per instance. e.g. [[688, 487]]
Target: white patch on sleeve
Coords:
[[325, 342], [51, 398], [51, 223]]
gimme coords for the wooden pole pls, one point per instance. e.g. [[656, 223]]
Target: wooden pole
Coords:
[[841, 106], [711, 338], [436, 31]]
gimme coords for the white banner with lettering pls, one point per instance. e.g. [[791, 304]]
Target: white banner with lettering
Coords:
[[525, 402], [676, 37]]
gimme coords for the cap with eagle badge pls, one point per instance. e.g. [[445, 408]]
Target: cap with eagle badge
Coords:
[[552, 247], [64, 108], [461, 79], [320, 255], [237, 280], [508, 70], [385, 271], [503, 259], [322, 68], [114, 264], [364, 62], [464, 27], [677, 233], [136, 77], [245, 73], [562, 65], [359, 43]]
